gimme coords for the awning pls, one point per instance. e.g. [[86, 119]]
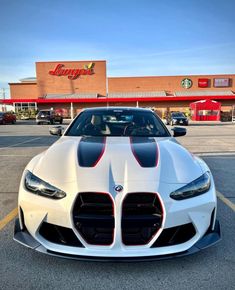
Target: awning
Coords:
[[137, 94], [71, 96], [113, 100], [204, 93]]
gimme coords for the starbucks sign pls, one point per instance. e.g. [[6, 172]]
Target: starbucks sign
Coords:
[[186, 83]]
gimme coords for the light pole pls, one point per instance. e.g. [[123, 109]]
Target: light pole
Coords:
[[4, 95], [3, 98]]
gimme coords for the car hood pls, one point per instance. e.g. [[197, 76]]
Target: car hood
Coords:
[[118, 158]]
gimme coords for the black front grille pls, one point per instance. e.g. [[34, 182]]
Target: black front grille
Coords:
[[59, 235], [175, 235], [142, 216], [93, 217]]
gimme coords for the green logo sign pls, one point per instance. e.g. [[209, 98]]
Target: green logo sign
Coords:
[[186, 83]]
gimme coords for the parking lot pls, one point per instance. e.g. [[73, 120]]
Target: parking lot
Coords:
[[24, 268]]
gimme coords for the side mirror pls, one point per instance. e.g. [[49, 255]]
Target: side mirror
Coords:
[[179, 131], [56, 130]]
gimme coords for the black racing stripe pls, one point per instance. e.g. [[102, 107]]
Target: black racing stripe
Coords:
[[145, 150], [90, 150]]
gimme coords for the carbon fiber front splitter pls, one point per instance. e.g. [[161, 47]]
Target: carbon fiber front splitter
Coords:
[[210, 238]]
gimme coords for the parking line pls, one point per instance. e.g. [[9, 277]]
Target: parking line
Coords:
[[226, 200], [216, 154], [11, 155], [27, 141], [8, 218]]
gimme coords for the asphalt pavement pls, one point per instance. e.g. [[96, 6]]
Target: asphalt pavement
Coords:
[[24, 268]]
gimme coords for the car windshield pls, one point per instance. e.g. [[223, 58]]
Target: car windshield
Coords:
[[44, 113], [178, 114], [117, 122]]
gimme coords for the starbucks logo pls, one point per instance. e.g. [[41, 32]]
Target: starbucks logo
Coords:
[[186, 83]]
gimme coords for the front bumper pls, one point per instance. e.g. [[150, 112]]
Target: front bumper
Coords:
[[210, 238], [35, 212], [180, 122], [48, 121]]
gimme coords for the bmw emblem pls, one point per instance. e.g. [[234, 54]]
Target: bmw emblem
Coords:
[[118, 188]]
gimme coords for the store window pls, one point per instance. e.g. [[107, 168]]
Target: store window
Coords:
[[208, 113], [25, 107]]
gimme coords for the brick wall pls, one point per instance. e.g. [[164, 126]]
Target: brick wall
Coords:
[[163, 83], [24, 91], [53, 84]]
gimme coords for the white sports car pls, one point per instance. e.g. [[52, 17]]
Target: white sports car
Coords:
[[117, 186]]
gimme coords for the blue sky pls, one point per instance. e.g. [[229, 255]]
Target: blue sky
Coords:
[[137, 38]]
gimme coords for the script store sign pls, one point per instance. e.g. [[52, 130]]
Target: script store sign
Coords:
[[72, 73]]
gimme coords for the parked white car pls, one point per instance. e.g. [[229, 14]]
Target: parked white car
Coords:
[[117, 186]]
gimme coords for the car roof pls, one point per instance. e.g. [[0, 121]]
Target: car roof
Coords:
[[97, 109]]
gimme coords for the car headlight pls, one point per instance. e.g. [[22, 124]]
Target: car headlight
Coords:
[[194, 188], [37, 186]]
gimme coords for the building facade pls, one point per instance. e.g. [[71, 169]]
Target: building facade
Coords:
[[69, 86]]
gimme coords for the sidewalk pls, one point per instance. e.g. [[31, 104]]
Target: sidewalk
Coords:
[[207, 123]]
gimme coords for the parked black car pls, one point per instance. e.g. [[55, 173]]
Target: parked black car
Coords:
[[49, 117], [177, 118]]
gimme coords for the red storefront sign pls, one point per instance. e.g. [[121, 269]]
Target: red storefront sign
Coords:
[[203, 83], [221, 83], [72, 73]]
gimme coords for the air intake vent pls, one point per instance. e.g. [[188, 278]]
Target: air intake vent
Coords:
[[59, 235], [175, 235], [142, 217], [93, 217]]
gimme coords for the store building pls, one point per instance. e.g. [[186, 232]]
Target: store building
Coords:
[[69, 86]]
